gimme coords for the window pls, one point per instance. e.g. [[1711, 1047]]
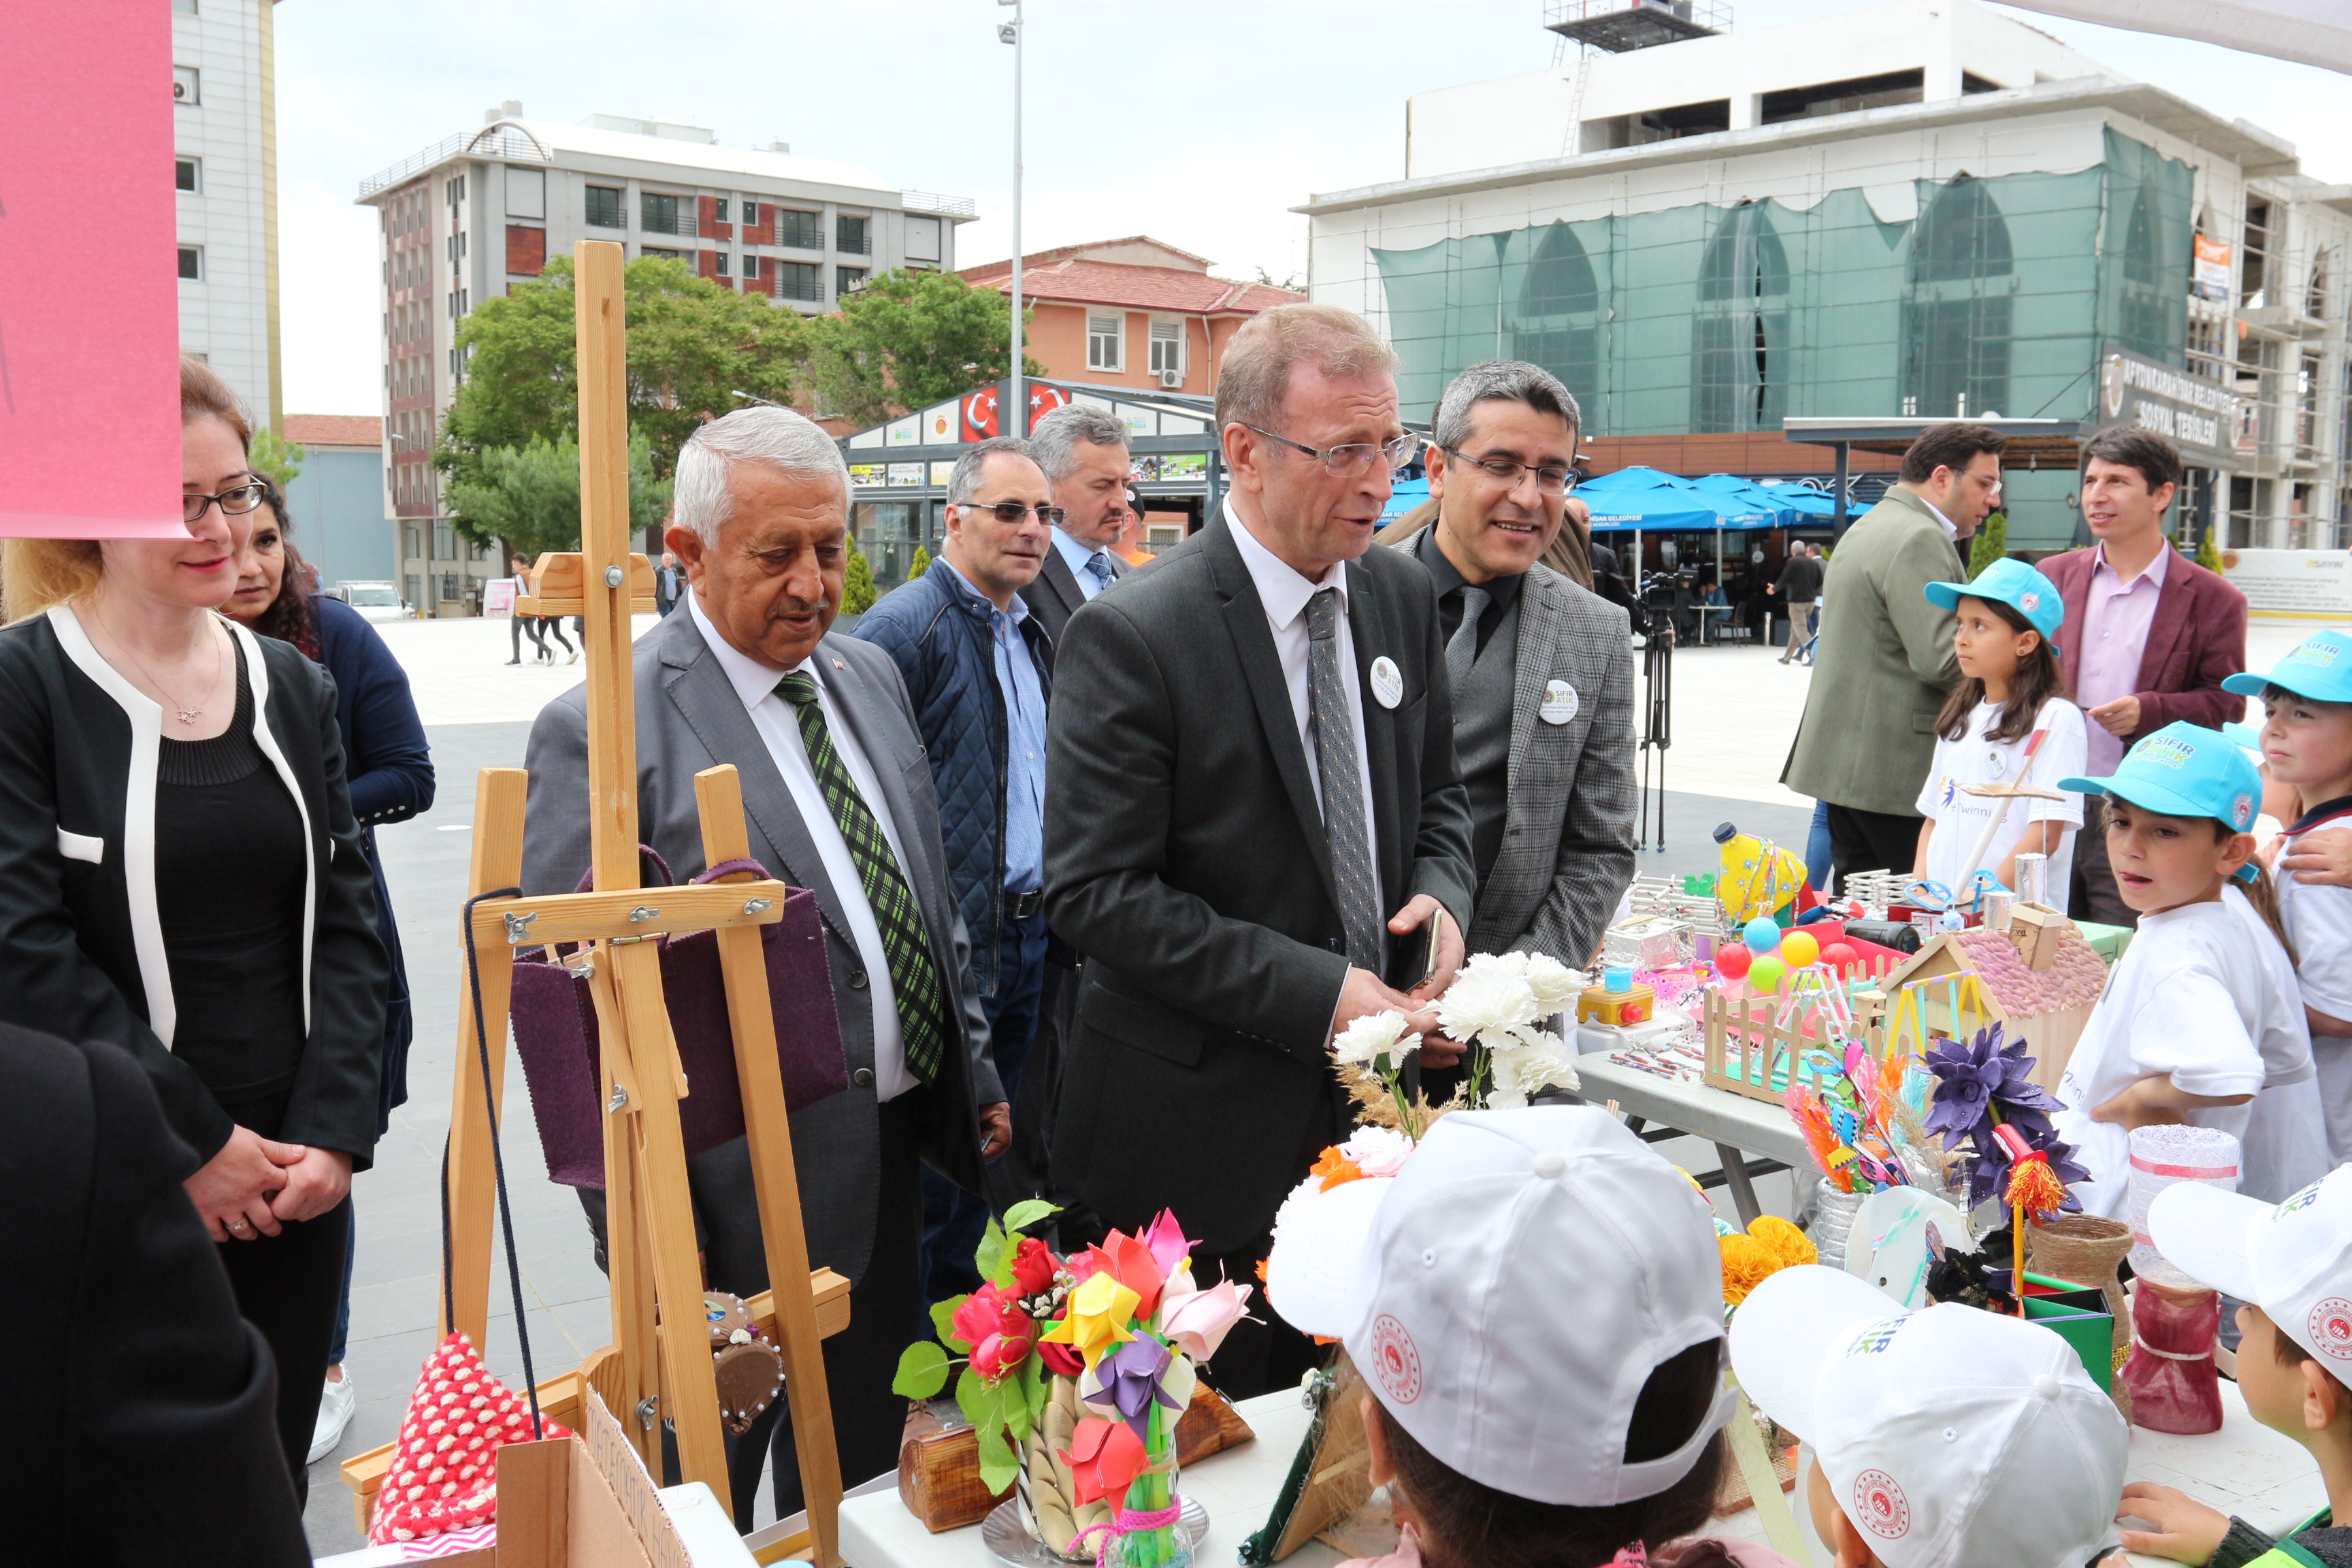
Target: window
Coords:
[[187, 85], [1848, 96], [719, 211], [527, 192], [1742, 327], [1106, 349], [1167, 347], [605, 207], [1957, 307], [184, 7], [185, 175], [1559, 314], [848, 279], [2254, 267], [849, 235], [719, 265], [192, 263], [2316, 297], [798, 280], [659, 213], [750, 267], [672, 255], [798, 230], [750, 213]]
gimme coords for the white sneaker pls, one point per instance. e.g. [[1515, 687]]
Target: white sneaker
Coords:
[[335, 1407]]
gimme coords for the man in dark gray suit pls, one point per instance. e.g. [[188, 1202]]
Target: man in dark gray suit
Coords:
[[1252, 814], [1541, 670], [1083, 453], [839, 799]]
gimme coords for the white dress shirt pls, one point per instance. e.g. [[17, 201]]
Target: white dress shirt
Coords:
[[1283, 593], [1076, 553], [779, 725], [1952, 529]]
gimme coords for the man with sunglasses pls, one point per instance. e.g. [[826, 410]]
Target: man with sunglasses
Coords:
[[1255, 834], [1541, 670], [978, 667]]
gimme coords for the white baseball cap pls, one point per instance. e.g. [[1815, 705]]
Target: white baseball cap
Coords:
[[2293, 1260], [1508, 1294], [1951, 1438]]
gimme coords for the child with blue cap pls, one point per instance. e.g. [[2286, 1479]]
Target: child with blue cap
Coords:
[[2012, 688], [2202, 1013], [2306, 743]]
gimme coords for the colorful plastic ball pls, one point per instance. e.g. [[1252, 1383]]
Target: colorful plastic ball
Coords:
[[1760, 934], [1766, 974], [1799, 948], [1838, 956], [1732, 960]]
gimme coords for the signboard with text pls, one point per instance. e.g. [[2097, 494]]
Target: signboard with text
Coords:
[[2212, 274], [2199, 417], [2292, 584]]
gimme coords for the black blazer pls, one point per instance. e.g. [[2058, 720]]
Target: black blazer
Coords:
[[1053, 596], [145, 1425], [1185, 858], [81, 943]]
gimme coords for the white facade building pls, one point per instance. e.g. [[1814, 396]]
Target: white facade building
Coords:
[[224, 142]]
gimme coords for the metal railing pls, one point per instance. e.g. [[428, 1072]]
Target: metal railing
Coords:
[[684, 220], [1714, 13], [506, 144], [945, 206]]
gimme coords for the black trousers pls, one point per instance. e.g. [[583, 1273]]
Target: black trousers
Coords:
[[1871, 841], [2092, 894], [516, 627], [288, 1286]]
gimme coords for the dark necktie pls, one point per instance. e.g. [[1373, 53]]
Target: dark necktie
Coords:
[[1462, 649], [906, 947], [1334, 737]]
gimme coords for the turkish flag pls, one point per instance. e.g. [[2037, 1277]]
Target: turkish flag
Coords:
[[979, 415]]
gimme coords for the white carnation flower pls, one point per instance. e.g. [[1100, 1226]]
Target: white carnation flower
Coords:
[[1522, 1070], [1374, 1035], [1556, 985], [1490, 1003]]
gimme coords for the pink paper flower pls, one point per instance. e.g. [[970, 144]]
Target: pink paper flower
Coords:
[[1167, 1242], [1196, 1323]]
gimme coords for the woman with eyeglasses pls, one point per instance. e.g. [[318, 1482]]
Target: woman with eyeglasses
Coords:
[[181, 876], [391, 779]]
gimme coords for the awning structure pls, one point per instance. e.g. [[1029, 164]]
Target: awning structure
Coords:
[[2310, 32], [1652, 501], [2033, 443]]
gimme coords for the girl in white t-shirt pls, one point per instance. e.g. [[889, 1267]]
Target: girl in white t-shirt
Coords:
[[2012, 688]]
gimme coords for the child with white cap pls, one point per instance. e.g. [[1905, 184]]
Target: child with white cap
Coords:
[[1536, 1304], [1945, 1438], [2291, 1263]]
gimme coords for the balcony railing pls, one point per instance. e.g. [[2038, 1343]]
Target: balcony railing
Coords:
[[504, 143], [682, 221], [945, 206]]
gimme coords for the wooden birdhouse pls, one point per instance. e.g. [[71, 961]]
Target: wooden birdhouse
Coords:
[[2038, 977]]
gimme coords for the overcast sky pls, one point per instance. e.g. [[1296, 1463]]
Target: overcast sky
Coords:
[[1200, 123]]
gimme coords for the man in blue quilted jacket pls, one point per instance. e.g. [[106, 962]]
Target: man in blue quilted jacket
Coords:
[[979, 668]]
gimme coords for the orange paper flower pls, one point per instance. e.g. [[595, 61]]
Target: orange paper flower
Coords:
[[1104, 1456], [1787, 1244], [1335, 1167], [1129, 1260]]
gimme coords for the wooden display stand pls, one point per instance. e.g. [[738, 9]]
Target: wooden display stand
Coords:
[[649, 1375]]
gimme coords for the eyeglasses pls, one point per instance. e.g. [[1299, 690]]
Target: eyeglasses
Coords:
[[1009, 512], [235, 502], [1550, 478], [1345, 462]]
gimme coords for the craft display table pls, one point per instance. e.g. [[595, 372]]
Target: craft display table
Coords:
[[2245, 1468], [1737, 1125]]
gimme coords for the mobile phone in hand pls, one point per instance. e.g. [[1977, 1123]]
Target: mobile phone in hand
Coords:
[[1436, 930]]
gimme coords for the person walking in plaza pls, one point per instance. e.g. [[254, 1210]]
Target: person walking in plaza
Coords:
[[391, 779], [1082, 452], [1540, 670], [1884, 662], [978, 669], [181, 875], [838, 800], [669, 581], [1252, 816], [2149, 635], [518, 623], [1799, 586]]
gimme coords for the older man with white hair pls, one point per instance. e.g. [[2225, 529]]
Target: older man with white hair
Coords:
[[839, 798]]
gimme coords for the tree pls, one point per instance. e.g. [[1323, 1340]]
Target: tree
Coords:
[[529, 495], [1293, 284], [692, 346], [1992, 543], [273, 457], [908, 339], [919, 564], [857, 593], [2209, 550]]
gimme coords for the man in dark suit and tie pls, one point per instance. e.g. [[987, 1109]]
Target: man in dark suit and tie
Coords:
[[1083, 453], [1252, 814], [839, 799]]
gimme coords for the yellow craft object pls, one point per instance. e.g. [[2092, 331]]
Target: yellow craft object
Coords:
[[1747, 1263], [1783, 1241], [1759, 877], [1100, 1309]]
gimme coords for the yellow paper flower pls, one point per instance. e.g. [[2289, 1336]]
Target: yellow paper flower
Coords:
[[1747, 1263], [1100, 1309], [1784, 1241]]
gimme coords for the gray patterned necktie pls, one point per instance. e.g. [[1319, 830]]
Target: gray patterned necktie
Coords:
[[1334, 737], [1099, 567], [1462, 649]]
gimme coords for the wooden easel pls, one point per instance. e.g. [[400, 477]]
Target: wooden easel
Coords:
[[658, 1366]]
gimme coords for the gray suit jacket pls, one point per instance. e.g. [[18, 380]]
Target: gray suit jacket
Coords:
[[1053, 596], [688, 719], [1568, 839]]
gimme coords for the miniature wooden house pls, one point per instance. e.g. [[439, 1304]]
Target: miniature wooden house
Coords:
[[2038, 977]]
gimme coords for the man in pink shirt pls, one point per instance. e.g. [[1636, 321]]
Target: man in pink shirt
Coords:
[[2149, 635]]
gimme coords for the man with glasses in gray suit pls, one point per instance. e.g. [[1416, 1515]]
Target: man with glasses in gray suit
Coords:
[[839, 799], [1541, 670]]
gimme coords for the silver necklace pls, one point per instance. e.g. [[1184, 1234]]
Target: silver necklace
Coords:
[[186, 714]]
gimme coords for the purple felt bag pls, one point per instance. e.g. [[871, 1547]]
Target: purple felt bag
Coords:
[[556, 1034]]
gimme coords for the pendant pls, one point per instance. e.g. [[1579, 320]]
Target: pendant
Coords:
[[190, 715]]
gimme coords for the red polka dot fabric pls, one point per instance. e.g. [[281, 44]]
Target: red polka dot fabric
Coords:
[[444, 1471]]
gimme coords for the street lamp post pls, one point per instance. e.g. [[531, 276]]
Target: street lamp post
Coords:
[[1015, 419]]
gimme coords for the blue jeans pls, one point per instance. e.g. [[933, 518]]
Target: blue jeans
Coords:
[[1817, 847], [336, 1346], [953, 1219]]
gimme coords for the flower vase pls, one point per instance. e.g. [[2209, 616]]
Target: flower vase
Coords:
[[2175, 1387], [1833, 1219], [1154, 1493], [1050, 1510]]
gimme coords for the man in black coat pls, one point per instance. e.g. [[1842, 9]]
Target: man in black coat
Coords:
[[1252, 813], [144, 1410]]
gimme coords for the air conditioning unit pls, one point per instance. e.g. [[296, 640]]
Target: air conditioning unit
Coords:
[[1172, 379]]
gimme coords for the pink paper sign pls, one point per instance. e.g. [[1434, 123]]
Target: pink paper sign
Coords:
[[89, 338]]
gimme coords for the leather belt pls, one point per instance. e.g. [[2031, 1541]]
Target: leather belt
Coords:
[[1021, 905]]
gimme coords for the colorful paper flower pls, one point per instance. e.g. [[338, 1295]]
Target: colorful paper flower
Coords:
[[1985, 1083], [1332, 1167], [1128, 1259], [1129, 1383], [1196, 1322], [1105, 1457], [1166, 1242], [1100, 1311]]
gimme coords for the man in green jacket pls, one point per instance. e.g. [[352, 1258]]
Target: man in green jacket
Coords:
[[1885, 659]]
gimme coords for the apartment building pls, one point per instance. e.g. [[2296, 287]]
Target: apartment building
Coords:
[[225, 169], [800, 232]]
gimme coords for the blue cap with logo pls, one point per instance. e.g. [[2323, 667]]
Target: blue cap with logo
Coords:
[[2319, 668], [2010, 582], [2184, 770]]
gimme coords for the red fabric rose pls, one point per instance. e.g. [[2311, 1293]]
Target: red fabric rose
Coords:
[[998, 1354], [989, 1310], [1033, 1268], [1060, 1359]]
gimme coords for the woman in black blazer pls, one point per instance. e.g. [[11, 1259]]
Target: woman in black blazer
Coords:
[[181, 876]]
